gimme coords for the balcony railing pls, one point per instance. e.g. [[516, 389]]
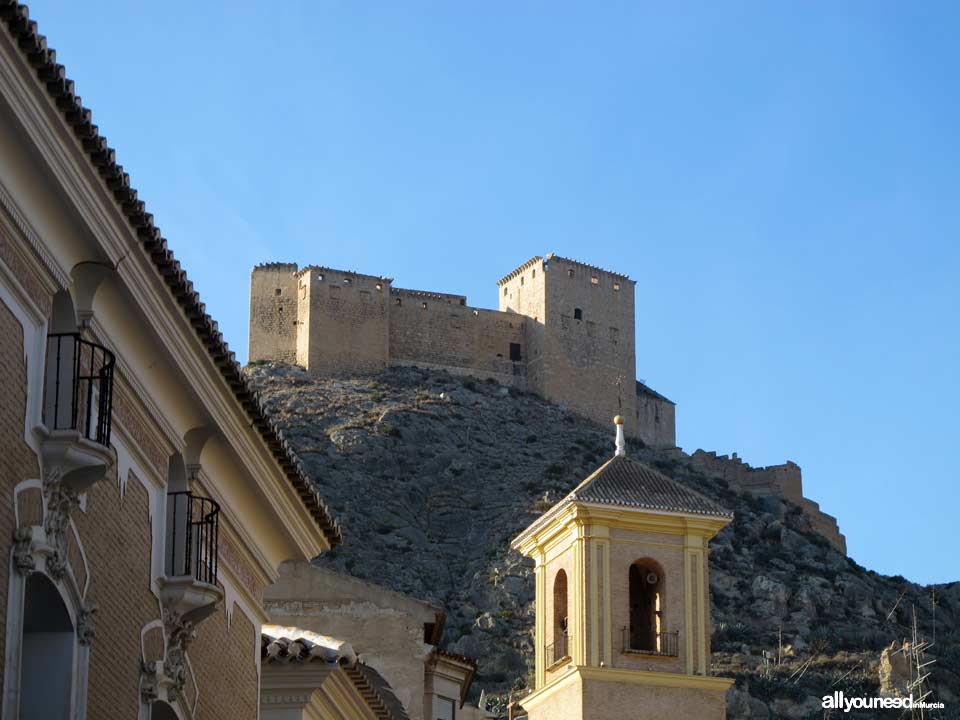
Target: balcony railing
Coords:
[[557, 650], [79, 387], [651, 643], [192, 537]]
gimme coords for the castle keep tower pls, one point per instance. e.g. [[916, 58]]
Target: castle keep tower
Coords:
[[622, 600], [564, 330], [580, 336]]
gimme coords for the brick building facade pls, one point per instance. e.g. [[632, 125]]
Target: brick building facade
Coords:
[[145, 498]]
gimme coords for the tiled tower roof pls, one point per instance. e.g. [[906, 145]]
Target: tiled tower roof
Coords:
[[625, 482]]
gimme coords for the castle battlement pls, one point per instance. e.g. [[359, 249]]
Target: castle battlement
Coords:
[[785, 480], [428, 295], [564, 329]]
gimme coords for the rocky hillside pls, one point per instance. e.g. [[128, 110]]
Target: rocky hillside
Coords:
[[432, 475]]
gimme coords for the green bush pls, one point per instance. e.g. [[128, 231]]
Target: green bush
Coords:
[[554, 471], [389, 430]]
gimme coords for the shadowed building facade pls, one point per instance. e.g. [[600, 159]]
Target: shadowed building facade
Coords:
[[622, 598], [147, 500]]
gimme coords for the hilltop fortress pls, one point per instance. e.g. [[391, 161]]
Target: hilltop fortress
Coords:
[[564, 330]]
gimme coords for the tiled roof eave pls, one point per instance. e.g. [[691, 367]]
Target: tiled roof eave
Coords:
[[60, 89], [650, 507]]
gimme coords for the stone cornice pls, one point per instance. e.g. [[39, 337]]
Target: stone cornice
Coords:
[[558, 519], [649, 678]]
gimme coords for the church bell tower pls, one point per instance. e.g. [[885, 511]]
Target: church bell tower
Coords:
[[622, 598]]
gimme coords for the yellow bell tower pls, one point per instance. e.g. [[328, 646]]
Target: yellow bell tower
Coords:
[[622, 598]]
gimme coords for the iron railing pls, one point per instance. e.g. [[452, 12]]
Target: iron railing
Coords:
[[193, 525], [79, 387], [651, 643], [557, 650]]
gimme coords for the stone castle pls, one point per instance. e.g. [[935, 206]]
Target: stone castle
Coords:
[[564, 330]]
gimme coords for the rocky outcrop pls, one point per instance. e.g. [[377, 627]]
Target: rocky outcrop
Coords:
[[895, 673], [432, 475]]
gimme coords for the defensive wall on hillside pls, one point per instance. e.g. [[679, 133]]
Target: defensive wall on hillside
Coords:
[[563, 329], [783, 480]]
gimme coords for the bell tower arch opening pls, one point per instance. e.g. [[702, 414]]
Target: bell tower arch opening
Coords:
[[559, 616], [646, 605]]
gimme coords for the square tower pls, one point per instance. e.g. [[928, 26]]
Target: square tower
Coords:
[[622, 598], [343, 321], [581, 338]]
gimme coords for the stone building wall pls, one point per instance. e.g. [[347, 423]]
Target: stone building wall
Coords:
[[345, 325], [656, 418], [429, 330], [385, 627], [564, 330], [523, 293], [589, 357], [273, 312]]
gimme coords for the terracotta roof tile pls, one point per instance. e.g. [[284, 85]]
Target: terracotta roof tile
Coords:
[[281, 645], [625, 482]]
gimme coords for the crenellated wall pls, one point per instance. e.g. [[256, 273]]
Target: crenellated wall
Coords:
[[564, 330], [343, 321], [430, 329], [784, 480]]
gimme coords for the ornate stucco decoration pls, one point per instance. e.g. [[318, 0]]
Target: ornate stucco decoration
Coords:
[[85, 627], [165, 679], [180, 633], [23, 559], [71, 465], [60, 501]]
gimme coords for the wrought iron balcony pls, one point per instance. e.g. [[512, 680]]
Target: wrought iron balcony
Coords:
[[557, 651], [79, 387], [193, 525], [651, 643]]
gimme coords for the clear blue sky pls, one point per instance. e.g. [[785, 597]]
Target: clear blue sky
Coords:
[[780, 179]]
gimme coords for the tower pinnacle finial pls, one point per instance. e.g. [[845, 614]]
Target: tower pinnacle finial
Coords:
[[621, 444]]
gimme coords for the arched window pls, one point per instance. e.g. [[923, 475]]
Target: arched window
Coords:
[[559, 617], [47, 652], [577, 314], [646, 603]]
